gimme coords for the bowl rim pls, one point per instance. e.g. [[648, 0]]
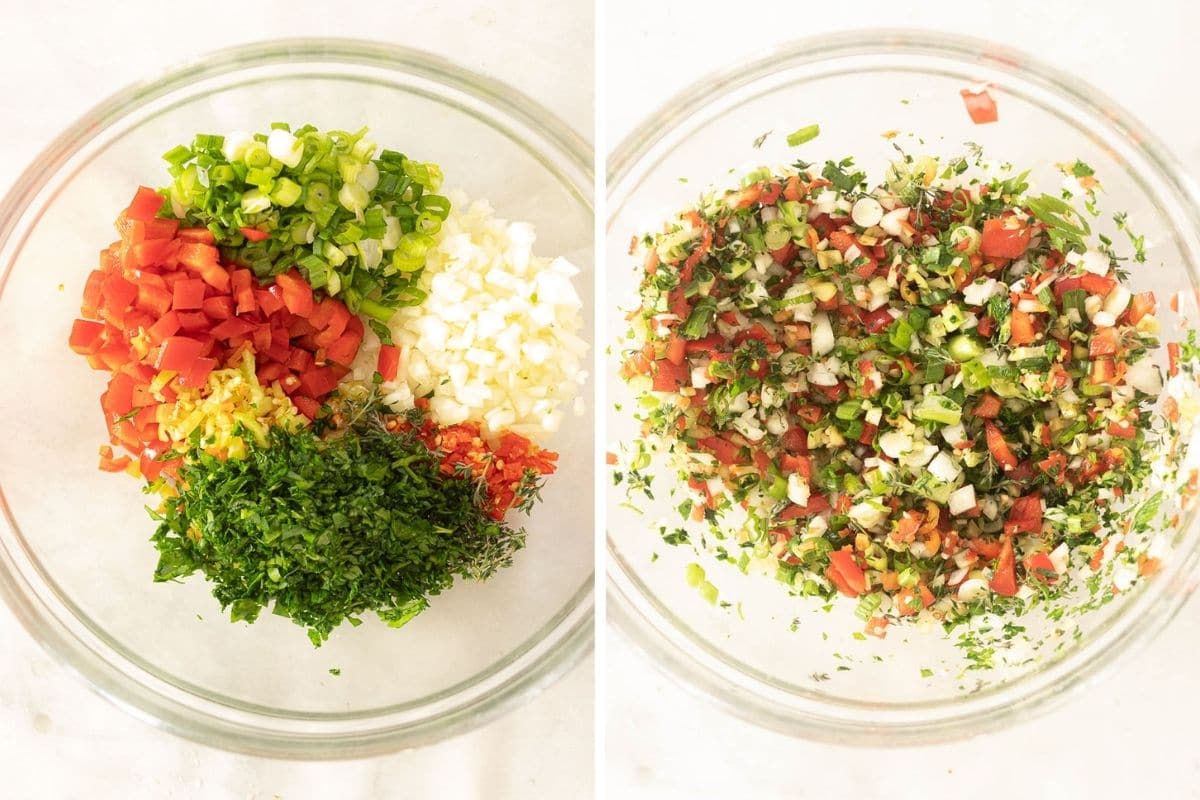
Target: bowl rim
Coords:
[[702, 669], [255, 730]]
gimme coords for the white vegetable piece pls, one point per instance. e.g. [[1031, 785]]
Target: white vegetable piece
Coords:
[[497, 339], [977, 293], [973, 589], [797, 489], [1144, 376], [895, 443], [943, 468], [1117, 300], [866, 212], [953, 434], [962, 499], [287, 148], [1095, 262], [822, 334], [891, 220], [235, 144], [867, 514]]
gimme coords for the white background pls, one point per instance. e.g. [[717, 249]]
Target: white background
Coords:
[[1132, 734], [59, 741]]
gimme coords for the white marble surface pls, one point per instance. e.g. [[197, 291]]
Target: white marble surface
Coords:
[[57, 738], [1131, 735]]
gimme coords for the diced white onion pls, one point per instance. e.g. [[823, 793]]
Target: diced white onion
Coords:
[[943, 468], [1144, 376], [822, 334], [962, 499], [1095, 262], [797, 489], [1117, 300], [498, 337]]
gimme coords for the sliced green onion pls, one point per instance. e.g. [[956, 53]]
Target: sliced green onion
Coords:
[[938, 408], [256, 155], [177, 155], [805, 134], [353, 197], [965, 347], [868, 604], [286, 192], [777, 235]]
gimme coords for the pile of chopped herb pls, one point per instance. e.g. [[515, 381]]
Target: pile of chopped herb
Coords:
[[326, 528]]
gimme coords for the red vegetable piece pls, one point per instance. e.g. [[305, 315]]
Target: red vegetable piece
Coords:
[[998, 447], [193, 321], [726, 451], [269, 373], [853, 580], [146, 204], [187, 294], [877, 320], [1004, 581], [119, 294], [1023, 330], [306, 405], [153, 252], [1041, 567], [118, 400], [389, 361], [218, 307], [300, 360], [197, 374], [87, 337], [159, 230], [254, 234], [269, 300], [179, 353], [980, 105], [1142, 304], [232, 328], [198, 256], [215, 276], [318, 381], [167, 325], [345, 348], [1025, 516], [1001, 241], [297, 294], [201, 235], [670, 377]]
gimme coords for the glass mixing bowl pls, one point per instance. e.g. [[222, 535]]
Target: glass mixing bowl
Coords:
[[858, 86], [75, 560]]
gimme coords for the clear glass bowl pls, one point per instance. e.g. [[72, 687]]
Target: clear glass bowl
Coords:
[[75, 561], [839, 688]]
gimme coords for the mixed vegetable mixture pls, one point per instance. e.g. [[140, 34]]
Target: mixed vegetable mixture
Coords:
[[243, 317], [936, 396]]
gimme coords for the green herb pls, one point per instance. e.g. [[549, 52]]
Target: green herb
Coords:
[[1081, 170], [836, 174], [1065, 226], [382, 331], [325, 530], [700, 318]]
